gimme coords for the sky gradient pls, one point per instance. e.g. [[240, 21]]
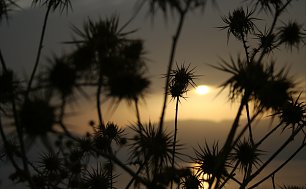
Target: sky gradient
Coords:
[[200, 44]]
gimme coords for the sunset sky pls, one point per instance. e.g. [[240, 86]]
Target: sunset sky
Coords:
[[200, 44]]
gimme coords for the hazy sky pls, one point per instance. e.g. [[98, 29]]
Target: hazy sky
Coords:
[[201, 43]]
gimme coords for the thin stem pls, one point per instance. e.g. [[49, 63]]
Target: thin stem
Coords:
[[280, 149], [19, 132], [137, 113], [132, 17], [40, 46], [280, 167], [174, 138], [6, 146], [249, 123], [246, 127], [20, 138], [126, 168], [276, 16], [98, 96], [170, 64], [2, 62], [268, 134], [245, 47], [110, 173], [230, 137], [137, 173], [231, 175], [273, 181]]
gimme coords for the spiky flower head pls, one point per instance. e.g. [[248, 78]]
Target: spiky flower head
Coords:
[[246, 78], [239, 23], [61, 75], [275, 92], [191, 182], [269, 89], [293, 113], [102, 37], [267, 41], [246, 155], [125, 72], [291, 35], [37, 117], [127, 85], [97, 178], [106, 134], [152, 145], [83, 58], [209, 160], [180, 79], [51, 163]]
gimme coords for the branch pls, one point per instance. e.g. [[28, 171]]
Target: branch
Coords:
[[280, 167]]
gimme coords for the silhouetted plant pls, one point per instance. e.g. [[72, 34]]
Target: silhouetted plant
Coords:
[[239, 23], [7, 6], [208, 160], [180, 79], [291, 35], [51, 5], [246, 155], [191, 182], [293, 113], [37, 117], [97, 178], [152, 149], [61, 76], [8, 86]]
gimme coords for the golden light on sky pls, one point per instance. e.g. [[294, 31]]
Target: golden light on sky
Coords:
[[202, 89]]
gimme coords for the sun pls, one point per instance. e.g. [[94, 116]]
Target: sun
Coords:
[[202, 89]]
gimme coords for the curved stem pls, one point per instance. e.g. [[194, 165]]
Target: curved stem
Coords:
[[137, 173], [174, 138], [172, 55], [6, 146], [229, 141], [280, 167], [2, 62], [19, 133], [280, 149], [98, 96], [273, 181], [230, 176], [246, 127], [249, 123], [137, 113], [276, 16], [268, 134], [245, 47], [40, 46], [20, 138]]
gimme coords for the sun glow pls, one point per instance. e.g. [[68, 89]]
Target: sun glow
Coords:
[[202, 89]]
